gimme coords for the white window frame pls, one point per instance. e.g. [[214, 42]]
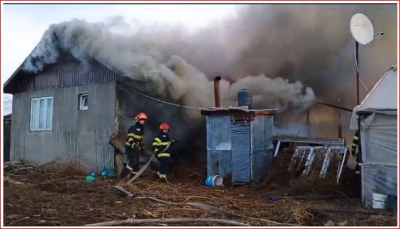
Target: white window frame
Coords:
[[35, 124], [82, 106]]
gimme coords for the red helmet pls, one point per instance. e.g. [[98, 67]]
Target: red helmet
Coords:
[[164, 126], [141, 116]]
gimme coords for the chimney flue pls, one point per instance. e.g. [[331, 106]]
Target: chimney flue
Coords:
[[217, 91]]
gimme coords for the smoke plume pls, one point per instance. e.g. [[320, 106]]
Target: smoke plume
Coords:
[[282, 53], [308, 43], [144, 59]]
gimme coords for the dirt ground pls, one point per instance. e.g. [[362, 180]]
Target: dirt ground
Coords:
[[39, 196]]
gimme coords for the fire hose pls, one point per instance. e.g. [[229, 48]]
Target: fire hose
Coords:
[[147, 165], [141, 170]]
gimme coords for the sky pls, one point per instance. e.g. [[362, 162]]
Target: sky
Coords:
[[24, 24]]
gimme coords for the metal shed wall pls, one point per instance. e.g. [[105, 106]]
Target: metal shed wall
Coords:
[[219, 155], [262, 149], [240, 151], [241, 155], [75, 136]]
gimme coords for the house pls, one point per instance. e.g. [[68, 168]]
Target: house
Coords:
[[378, 136], [69, 110]]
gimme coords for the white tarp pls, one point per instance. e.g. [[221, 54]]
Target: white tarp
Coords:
[[381, 99], [380, 179], [379, 154], [379, 139]]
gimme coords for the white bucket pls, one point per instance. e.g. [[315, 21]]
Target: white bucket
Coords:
[[215, 181], [379, 201]]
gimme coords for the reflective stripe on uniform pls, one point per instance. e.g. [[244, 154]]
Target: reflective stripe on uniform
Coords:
[[135, 136], [128, 144], [158, 142], [357, 172], [355, 145], [355, 138], [163, 155]]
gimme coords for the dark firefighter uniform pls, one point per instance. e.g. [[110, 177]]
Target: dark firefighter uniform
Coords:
[[133, 146], [160, 143], [355, 151]]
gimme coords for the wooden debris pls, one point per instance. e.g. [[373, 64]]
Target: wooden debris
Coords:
[[124, 191], [132, 221]]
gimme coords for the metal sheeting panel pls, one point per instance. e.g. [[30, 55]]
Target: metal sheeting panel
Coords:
[[212, 163], [241, 159], [65, 73], [225, 163], [261, 146], [219, 163], [378, 178], [218, 133]]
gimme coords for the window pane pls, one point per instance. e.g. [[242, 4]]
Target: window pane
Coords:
[[85, 101], [33, 113], [42, 114], [49, 118]]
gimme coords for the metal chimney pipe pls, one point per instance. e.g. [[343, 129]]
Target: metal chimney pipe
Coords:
[[217, 93]]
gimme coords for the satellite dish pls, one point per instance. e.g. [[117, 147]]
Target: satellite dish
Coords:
[[361, 28]]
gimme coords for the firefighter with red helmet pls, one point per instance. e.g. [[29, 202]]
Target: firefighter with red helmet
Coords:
[[134, 145], [161, 145]]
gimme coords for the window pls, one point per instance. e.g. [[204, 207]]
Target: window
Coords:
[[41, 114], [83, 102]]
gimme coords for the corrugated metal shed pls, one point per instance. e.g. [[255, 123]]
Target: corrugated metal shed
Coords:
[[239, 143]]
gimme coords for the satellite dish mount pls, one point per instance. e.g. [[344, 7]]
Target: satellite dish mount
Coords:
[[363, 32]]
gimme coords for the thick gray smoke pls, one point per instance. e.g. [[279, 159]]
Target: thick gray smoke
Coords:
[[310, 43], [277, 51], [138, 56]]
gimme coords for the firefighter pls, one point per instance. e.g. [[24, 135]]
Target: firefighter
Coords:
[[355, 151], [161, 146], [134, 146]]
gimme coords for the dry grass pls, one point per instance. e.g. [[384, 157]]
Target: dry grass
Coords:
[[57, 194]]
